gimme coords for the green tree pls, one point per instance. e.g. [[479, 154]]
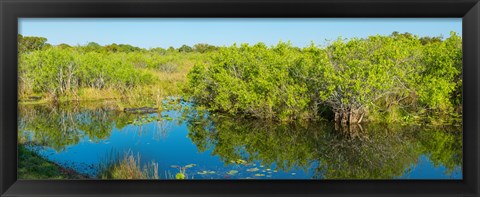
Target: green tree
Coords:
[[30, 43], [440, 75], [185, 49], [92, 47], [353, 78], [203, 48]]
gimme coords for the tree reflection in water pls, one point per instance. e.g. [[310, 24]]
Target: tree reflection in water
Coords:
[[58, 126], [367, 151]]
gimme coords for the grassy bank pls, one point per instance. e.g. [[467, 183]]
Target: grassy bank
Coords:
[[32, 166]]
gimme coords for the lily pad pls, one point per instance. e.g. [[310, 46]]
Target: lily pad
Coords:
[[240, 161], [252, 170], [293, 173], [259, 174], [190, 165], [232, 172]]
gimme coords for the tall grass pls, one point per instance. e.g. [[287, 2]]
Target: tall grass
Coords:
[[127, 167], [139, 79]]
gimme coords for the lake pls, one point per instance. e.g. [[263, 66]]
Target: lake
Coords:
[[215, 146]]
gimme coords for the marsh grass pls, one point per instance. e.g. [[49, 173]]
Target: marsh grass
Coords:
[[126, 167], [166, 84]]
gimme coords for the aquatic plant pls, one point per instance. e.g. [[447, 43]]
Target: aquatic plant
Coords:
[[206, 172], [232, 172], [181, 171], [127, 167]]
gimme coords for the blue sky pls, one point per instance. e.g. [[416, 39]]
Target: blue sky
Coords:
[[164, 32]]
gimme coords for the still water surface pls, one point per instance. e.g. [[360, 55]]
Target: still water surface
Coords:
[[222, 147]]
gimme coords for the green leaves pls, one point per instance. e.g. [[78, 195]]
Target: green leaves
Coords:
[[280, 82], [441, 73], [255, 80], [30, 43], [283, 82], [180, 176], [59, 71]]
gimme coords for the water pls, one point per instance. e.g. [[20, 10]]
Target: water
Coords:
[[222, 147]]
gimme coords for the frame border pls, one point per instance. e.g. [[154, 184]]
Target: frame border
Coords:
[[11, 10]]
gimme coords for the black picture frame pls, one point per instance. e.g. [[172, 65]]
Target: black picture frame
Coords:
[[11, 10]]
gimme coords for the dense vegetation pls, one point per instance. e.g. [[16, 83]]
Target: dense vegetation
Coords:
[[400, 73], [91, 71], [396, 77], [399, 78]]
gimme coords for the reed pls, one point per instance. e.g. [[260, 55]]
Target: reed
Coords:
[[127, 167]]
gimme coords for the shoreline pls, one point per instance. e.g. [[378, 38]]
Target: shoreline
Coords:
[[47, 169]]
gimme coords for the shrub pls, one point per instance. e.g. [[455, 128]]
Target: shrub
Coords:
[[60, 71], [350, 77], [252, 80]]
